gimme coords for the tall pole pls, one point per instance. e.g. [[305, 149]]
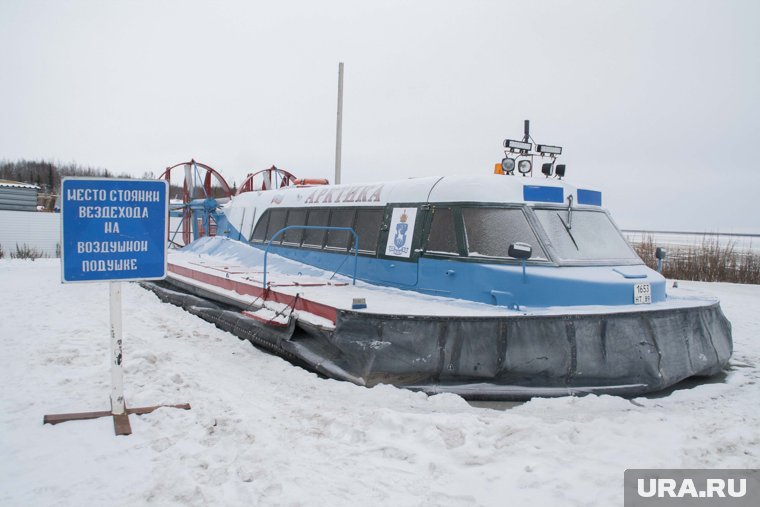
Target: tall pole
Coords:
[[339, 134]]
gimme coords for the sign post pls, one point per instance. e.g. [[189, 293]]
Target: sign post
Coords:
[[117, 372], [113, 230]]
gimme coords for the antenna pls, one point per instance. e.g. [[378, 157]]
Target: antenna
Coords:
[[526, 137]]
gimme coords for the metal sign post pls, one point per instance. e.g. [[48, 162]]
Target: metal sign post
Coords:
[[113, 230], [117, 372]]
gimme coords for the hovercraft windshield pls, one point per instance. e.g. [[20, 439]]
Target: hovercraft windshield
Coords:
[[593, 237]]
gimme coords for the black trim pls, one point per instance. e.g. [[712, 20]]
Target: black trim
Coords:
[[457, 233], [264, 221], [545, 258], [422, 229], [462, 242]]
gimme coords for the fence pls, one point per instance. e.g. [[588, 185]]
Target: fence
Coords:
[[709, 258], [36, 231]]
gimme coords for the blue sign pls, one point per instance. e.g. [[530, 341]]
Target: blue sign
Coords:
[[113, 229], [589, 197], [541, 193]]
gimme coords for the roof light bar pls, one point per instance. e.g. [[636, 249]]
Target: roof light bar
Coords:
[[517, 145], [551, 150]]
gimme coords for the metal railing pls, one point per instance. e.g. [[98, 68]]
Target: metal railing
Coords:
[[326, 228]]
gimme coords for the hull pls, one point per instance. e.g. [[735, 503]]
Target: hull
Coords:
[[506, 355]]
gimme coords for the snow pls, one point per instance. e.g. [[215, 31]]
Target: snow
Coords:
[[264, 432], [17, 184]]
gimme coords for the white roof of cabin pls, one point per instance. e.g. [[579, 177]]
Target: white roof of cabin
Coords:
[[492, 189]]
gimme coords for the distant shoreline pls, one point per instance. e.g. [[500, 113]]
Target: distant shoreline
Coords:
[[686, 233]]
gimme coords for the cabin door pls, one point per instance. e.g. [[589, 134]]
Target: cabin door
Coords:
[[399, 244], [246, 225], [241, 220]]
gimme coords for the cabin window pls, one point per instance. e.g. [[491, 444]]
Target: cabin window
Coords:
[[316, 237], [368, 222], [261, 228], [276, 222], [584, 235], [490, 231], [442, 238], [339, 239], [293, 236]]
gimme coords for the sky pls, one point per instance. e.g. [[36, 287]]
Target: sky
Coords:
[[655, 103]]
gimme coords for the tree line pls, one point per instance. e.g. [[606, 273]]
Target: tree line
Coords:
[[48, 175]]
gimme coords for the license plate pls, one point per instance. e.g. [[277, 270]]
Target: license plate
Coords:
[[642, 294]]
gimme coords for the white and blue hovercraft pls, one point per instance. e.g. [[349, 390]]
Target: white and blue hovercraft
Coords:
[[496, 287]]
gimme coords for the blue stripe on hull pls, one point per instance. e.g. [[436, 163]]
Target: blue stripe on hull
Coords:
[[500, 284]]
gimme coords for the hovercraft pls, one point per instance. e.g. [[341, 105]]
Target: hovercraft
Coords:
[[502, 286]]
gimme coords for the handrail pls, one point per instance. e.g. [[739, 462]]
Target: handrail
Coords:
[[326, 228]]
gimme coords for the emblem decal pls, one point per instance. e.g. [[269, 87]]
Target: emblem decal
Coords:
[[401, 232], [401, 228]]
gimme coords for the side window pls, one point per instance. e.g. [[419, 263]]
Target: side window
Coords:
[[368, 222], [276, 222], [442, 237], [261, 228], [339, 239], [293, 236], [316, 237], [490, 231]]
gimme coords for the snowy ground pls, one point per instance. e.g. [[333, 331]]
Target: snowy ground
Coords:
[[263, 432]]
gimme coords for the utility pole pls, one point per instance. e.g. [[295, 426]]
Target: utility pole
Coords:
[[339, 134]]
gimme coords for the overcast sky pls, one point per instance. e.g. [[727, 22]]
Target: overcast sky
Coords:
[[656, 103]]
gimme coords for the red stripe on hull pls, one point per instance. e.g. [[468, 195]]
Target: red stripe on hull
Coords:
[[306, 305]]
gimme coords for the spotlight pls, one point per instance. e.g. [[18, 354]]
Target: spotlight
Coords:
[[508, 165], [524, 166], [560, 171], [547, 169]]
